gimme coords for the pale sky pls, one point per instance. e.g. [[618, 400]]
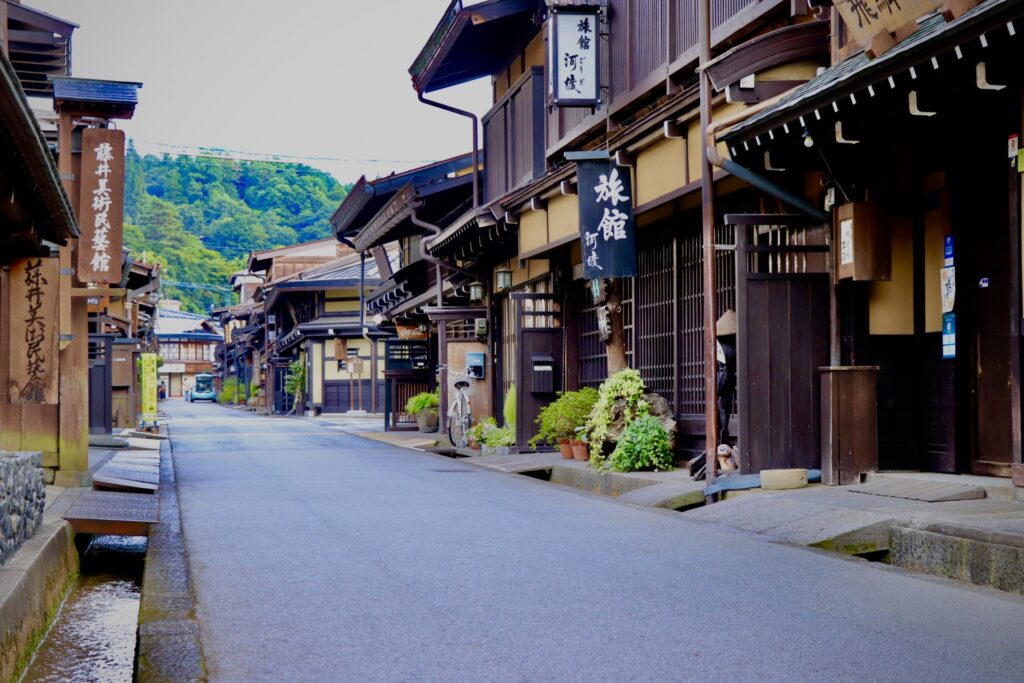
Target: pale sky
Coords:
[[305, 78]]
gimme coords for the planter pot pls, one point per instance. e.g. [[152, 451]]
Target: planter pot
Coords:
[[427, 420], [565, 448], [580, 450], [496, 450]]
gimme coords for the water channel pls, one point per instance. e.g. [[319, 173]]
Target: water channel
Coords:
[[93, 635]]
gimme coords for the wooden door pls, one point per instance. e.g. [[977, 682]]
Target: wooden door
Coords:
[[538, 332]]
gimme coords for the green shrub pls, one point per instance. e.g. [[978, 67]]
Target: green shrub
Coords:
[[644, 445], [426, 400], [479, 431], [625, 386], [295, 380], [561, 418], [229, 391], [509, 407], [500, 436]]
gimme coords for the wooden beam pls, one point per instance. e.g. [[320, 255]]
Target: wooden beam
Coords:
[[98, 291]]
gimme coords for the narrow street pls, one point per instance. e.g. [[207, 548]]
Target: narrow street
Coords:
[[323, 556]]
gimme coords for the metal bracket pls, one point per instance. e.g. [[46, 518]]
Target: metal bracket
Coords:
[[981, 78], [914, 110]]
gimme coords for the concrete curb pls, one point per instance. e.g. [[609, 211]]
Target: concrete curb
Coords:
[[33, 584], [169, 647]]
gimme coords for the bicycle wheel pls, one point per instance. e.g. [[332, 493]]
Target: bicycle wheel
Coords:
[[457, 429]]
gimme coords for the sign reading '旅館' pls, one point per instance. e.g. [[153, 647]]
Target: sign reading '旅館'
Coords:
[[607, 226], [102, 202], [34, 336], [573, 42]]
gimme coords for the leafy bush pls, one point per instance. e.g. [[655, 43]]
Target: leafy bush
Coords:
[[229, 391], [295, 380], [509, 407], [500, 437], [644, 445], [425, 400], [625, 388], [479, 431], [561, 418]]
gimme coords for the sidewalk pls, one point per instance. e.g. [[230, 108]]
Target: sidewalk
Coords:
[[966, 528], [372, 427]]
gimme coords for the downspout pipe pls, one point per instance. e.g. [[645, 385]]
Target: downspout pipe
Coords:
[[426, 256], [362, 280], [476, 139], [748, 176]]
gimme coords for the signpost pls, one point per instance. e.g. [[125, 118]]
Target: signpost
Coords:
[[102, 206], [34, 333], [147, 384]]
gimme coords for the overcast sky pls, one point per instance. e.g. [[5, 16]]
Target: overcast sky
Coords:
[[305, 78]]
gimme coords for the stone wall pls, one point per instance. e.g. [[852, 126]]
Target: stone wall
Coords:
[[22, 497]]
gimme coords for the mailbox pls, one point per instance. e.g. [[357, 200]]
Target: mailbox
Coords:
[[475, 365], [542, 373]]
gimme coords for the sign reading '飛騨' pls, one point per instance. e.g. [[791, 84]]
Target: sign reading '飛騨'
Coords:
[[867, 18], [34, 335], [607, 227], [573, 43], [102, 202]]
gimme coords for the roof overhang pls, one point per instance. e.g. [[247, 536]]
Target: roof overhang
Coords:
[[473, 42], [37, 207], [39, 47], [933, 39], [92, 97], [367, 197]]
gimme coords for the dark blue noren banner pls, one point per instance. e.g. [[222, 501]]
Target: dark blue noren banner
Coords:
[[607, 225]]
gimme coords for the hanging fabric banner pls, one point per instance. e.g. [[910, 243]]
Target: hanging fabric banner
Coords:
[[102, 206], [607, 225]]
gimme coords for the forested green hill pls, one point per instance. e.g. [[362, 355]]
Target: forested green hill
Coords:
[[200, 217]]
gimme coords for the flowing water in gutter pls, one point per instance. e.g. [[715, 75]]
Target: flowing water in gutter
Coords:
[[93, 635]]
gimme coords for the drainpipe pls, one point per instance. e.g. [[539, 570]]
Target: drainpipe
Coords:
[[442, 332], [476, 141], [362, 279]]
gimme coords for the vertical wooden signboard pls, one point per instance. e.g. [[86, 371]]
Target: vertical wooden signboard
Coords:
[[34, 333], [102, 206], [148, 381]]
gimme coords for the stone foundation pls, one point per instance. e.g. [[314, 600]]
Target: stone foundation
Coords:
[[22, 497]]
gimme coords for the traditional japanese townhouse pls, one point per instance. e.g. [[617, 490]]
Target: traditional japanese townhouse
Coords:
[[274, 264], [187, 346], [36, 221], [432, 303], [912, 148], [315, 317], [241, 355], [641, 109]]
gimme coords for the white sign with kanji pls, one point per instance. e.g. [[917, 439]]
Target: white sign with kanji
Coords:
[[574, 59]]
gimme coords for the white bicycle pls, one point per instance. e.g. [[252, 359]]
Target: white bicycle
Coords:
[[460, 419]]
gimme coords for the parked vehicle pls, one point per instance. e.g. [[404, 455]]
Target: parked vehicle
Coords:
[[203, 390]]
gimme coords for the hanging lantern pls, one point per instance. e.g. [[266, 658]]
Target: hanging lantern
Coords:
[[476, 292], [503, 279]]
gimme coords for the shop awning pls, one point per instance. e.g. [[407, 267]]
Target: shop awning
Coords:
[[933, 38], [473, 42]]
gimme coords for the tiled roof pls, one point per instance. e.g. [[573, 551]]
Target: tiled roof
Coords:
[[90, 90]]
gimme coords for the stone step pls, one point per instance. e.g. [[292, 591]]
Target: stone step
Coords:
[[984, 558]]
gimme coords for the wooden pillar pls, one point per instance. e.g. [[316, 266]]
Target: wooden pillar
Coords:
[[73, 397], [707, 183], [1016, 209]]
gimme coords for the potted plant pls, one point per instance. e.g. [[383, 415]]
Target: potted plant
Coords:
[[559, 421], [644, 445], [580, 449], [475, 435], [498, 440], [425, 407]]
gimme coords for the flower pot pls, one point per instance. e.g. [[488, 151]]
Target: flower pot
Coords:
[[427, 420], [580, 450], [565, 448]]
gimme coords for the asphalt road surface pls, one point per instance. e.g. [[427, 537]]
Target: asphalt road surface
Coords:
[[319, 556]]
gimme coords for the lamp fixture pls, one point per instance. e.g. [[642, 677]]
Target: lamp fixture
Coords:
[[808, 140], [476, 292], [503, 279]]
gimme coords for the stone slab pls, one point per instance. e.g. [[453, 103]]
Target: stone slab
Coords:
[[923, 490], [671, 495]]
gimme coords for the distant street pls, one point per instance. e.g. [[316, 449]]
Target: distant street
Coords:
[[319, 556]]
